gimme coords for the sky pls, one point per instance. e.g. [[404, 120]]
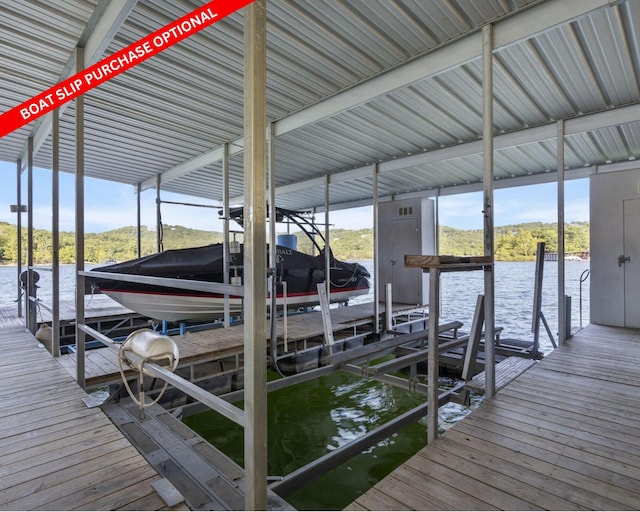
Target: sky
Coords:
[[111, 205]]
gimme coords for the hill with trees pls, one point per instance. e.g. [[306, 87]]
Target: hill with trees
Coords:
[[512, 243]]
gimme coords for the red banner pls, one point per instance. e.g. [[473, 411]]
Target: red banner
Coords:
[[117, 63]]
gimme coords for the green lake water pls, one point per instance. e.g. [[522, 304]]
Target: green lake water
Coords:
[[310, 419]]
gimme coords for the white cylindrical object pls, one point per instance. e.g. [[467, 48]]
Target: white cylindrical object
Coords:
[[149, 344]]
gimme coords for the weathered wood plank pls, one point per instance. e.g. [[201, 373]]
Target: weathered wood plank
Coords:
[[624, 438], [438, 261], [516, 485], [42, 481], [55, 453], [582, 489], [101, 365], [53, 433], [483, 496], [603, 469], [47, 472], [109, 480], [552, 433], [376, 499], [417, 498], [506, 371], [441, 494]]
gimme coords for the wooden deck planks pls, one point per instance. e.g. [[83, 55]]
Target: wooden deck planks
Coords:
[[101, 365], [506, 371], [563, 435], [55, 453], [96, 306]]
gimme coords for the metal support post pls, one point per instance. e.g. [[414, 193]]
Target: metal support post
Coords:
[[55, 233], [327, 245], [273, 254], [388, 306], [139, 220], [255, 375], [437, 223], [376, 260], [31, 285], [562, 313], [225, 209], [487, 153], [159, 237], [80, 336], [433, 356], [19, 233]]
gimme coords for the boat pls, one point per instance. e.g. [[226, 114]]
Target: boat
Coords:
[[301, 272]]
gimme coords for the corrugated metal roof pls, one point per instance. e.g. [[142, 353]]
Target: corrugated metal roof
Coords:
[[188, 100]]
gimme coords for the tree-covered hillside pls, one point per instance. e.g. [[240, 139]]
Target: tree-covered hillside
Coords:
[[118, 244], [516, 242], [512, 243]]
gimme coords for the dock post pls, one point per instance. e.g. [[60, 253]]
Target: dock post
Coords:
[[432, 361], [487, 179], [562, 311], [225, 245], [388, 307], [79, 238], [30, 290], [19, 209], [255, 261], [55, 232]]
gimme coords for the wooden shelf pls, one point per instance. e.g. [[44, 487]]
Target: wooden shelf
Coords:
[[446, 263]]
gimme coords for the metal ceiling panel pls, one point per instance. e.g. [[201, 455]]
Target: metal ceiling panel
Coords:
[[189, 99]]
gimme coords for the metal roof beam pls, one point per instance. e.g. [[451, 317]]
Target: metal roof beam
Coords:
[[104, 24], [511, 30], [590, 122], [518, 181]]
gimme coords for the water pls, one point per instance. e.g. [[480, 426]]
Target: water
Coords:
[[310, 419], [513, 298], [514, 282], [8, 280]]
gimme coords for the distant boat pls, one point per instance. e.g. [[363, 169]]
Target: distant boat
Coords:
[[302, 272]]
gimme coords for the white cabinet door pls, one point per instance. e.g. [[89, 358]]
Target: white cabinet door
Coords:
[[630, 261], [615, 234]]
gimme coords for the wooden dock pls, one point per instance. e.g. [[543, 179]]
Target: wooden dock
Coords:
[[199, 347], [55, 453], [96, 306], [564, 435]]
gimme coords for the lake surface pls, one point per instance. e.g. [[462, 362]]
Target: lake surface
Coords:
[[514, 286], [513, 295], [311, 419]]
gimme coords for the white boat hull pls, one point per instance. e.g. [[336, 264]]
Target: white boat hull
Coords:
[[177, 307]]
